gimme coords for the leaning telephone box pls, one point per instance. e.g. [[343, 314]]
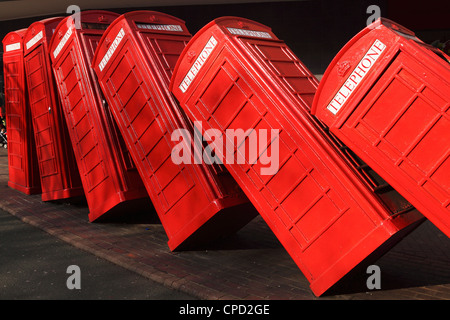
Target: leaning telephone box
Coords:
[[57, 167], [22, 160], [329, 212], [386, 95], [110, 180], [196, 203]]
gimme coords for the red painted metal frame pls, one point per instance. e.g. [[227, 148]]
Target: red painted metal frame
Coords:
[[196, 203], [390, 97], [22, 158], [322, 203], [111, 182], [57, 166]]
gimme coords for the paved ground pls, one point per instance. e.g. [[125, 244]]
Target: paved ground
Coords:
[[34, 266], [249, 265]]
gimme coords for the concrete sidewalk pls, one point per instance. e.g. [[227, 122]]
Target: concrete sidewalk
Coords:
[[249, 265]]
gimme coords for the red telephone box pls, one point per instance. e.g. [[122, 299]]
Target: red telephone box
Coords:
[[329, 211], [386, 95], [22, 159], [134, 60], [58, 170], [110, 180]]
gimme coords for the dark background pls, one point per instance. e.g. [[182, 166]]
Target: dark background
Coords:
[[314, 29]]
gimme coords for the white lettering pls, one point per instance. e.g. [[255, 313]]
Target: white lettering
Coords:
[[210, 45], [62, 43], [191, 310], [250, 33], [12, 47], [111, 49], [356, 76], [34, 40], [162, 27]]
